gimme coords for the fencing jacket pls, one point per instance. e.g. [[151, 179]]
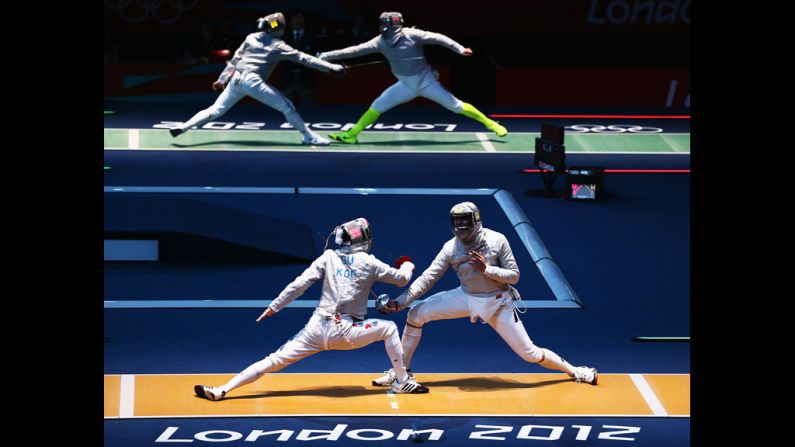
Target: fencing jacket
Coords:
[[347, 280]]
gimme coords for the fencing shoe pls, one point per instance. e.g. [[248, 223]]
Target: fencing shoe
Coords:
[[209, 392], [314, 139], [389, 378], [410, 386], [585, 374], [344, 137], [497, 128]]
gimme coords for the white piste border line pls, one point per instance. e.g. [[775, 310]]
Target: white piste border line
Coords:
[[392, 402], [133, 143], [127, 396], [648, 395], [484, 140], [133, 139]]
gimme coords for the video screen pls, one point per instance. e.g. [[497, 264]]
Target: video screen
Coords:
[[583, 191]]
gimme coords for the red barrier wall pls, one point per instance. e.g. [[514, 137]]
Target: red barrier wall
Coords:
[[561, 87]]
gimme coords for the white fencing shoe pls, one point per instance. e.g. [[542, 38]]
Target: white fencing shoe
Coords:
[[585, 374], [209, 392], [315, 140], [387, 379], [410, 386]]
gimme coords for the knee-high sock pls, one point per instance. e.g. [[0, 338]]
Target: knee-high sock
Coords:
[[248, 375], [411, 338], [368, 118], [395, 352], [471, 112], [296, 121], [197, 120], [554, 361]]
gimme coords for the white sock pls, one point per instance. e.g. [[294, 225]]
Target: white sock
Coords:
[[411, 339], [297, 122], [197, 120], [248, 375], [395, 352], [554, 361]]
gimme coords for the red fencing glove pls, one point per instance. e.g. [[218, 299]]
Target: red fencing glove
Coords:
[[403, 259]]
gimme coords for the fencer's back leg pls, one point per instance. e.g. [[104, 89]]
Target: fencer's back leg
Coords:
[[228, 98]]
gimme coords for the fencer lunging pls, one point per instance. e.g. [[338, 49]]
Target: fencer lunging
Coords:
[[403, 49], [338, 322], [247, 73]]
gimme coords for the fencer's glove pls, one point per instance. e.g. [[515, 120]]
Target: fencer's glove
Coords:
[[402, 260], [402, 301], [218, 86], [384, 305], [340, 69], [322, 55]]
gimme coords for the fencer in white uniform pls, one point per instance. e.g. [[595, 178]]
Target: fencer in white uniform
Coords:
[[339, 321], [403, 49], [246, 74], [485, 265]]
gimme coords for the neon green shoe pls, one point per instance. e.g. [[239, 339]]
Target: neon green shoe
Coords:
[[495, 127], [344, 137]]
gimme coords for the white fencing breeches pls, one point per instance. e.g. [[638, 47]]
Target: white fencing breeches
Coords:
[[240, 86], [407, 88], [322, 334], [456, 304]]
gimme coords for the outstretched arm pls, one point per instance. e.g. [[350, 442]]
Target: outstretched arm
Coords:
[[268, 312], [371, 46], [430, 38], [299, 285], [291, 54]]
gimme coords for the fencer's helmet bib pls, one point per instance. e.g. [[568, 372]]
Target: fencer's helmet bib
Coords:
[[465, 221], [354, 236], [390, 25], [273, 24]]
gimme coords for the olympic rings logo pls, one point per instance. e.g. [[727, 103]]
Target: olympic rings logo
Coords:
[[614, 128], [162, 11]]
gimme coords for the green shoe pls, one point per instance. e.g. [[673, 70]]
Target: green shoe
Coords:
[[495, 127], [344, 137]]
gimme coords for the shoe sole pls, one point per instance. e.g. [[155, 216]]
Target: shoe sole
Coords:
[[417, 391], [200, 392], [340, 140]]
